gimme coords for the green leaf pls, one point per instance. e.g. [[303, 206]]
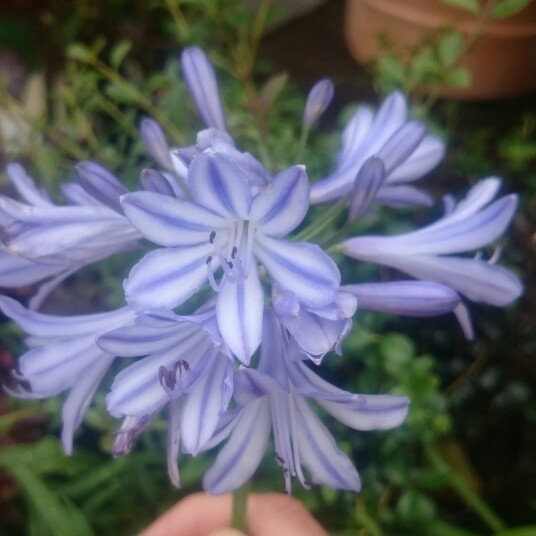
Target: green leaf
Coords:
[[460, 77], [449, 48], [79, 52], [119, 53], [60, 516], [467, 5], [528, 530], [414, 507], [397, 351], [507, 8]]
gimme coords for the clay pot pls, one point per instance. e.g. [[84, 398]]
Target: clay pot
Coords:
[[502, 61]]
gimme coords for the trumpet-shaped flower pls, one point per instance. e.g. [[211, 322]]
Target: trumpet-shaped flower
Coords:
[[63, 356], [230, 223], [273, 397], [407, 152], [427, 253], [186, 367], [58, 240]]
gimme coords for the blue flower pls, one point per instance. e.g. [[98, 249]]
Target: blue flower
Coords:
[[63, 356], [273, 398], [426, 253], [186, 368], [46, 240], [231, 222], [406, 150]]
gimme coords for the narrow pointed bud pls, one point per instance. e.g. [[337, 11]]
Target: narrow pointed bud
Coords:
[[407, 298], [202, 85], [366, 185], [154, 139], [317, 101], [101, 184]]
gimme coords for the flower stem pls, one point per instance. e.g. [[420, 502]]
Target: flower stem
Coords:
[[240, 499], [459, 484]]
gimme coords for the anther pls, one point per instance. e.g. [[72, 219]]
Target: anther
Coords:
[[212, 237]]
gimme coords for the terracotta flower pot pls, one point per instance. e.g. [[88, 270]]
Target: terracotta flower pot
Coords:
[[502, 61]]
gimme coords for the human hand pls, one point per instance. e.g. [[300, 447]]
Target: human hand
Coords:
[[268, 514]]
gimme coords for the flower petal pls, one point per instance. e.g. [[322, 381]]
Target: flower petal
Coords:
[[241, 455], [300, 267], [160, 183], [169, 221], [319, 453], [154, 139], [220, 185], [79, 399], [366, 412], [282, 205], [239, 312], [101, 184], [203, 87], [205, 403], [167, 277], [478, 280], [410, 298]]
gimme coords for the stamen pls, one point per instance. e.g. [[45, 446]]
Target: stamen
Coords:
[[211, 278], [496, 255]]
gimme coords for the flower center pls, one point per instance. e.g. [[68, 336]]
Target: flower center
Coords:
[[233, 251]]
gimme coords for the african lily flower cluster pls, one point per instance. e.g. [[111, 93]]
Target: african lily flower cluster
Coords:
[[229, 316]]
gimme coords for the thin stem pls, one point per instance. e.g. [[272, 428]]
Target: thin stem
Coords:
[[301, 144], [178, 18], [240, 499], [459, 484], [328, 217]]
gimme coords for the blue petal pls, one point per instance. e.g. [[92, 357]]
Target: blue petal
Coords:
[[319, 453], [410, 298], [239, 312], [154, 139], [282, 205], [160, 183], [241, 455], [219, 184], [79, 399], [169, 221], [473, 232], [302, 268], [203, 87], [167, 277], [56, 366], [26, 187], [45, 325], [478, 280], [366, 185], [17, 271], [317, 101], [366, 412], [401, 144], [137, 390], [101, 184], [173, 441], [205, 403], [425, 158]]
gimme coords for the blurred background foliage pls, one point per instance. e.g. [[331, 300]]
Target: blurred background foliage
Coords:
[[76, 78]]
